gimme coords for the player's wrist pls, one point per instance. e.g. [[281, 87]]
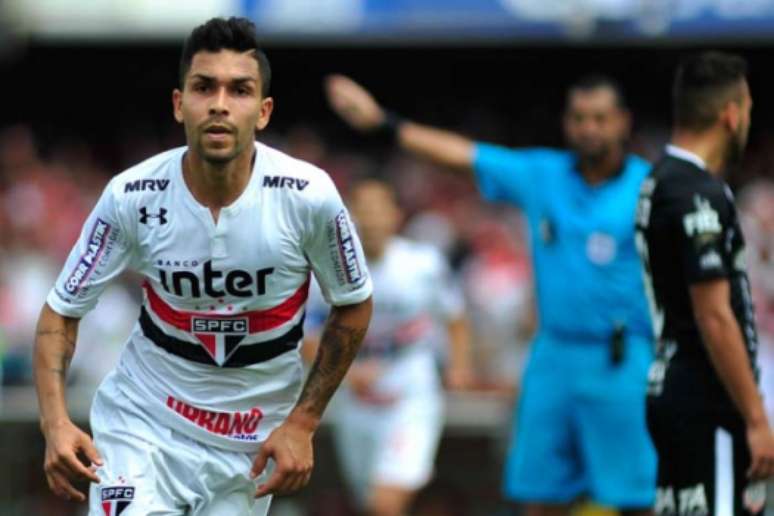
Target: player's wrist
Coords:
[[390, 125], [49, 425], [305, 420]]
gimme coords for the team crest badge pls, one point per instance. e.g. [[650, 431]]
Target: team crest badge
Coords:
[[116, 499], [220, 336]]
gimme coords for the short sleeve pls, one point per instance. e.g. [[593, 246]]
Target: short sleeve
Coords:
[[101, 253], [334, 252], [506, 175], [702, 225]]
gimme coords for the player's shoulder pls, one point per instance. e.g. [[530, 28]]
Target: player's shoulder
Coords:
[[292, 176], [152, 175], [535, 155]]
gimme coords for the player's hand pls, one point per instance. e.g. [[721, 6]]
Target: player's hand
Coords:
[[290, 446], [62, 465], [760, 440], [353, 103]]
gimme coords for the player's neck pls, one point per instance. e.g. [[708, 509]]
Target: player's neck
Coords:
[[217, 185], [707, 145], [596, 171]]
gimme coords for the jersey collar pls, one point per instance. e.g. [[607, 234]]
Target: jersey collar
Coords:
[[685, 155]]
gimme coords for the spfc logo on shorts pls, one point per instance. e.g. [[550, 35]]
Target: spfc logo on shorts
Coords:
[[116, 499], [220, 337]]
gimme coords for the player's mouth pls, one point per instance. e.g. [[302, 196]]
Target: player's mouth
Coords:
[[218, 132]]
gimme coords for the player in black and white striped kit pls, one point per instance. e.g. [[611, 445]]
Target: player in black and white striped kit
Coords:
[[705, 413]]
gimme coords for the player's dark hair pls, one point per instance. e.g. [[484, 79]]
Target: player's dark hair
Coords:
[[237, 34], [597, 81], [703, 84]]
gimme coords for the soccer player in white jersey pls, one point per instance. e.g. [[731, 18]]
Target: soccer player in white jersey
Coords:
[[205, 413], [389, 418]]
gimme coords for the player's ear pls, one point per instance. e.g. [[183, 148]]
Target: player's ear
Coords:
[[177, 104], [731, 115], [267, 106]]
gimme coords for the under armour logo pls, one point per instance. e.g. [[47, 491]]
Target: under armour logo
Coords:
[[144, 215]]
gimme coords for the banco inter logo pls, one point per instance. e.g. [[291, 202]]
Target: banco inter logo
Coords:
[[237, 283]]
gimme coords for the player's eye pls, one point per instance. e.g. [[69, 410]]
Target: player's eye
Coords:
[[201, 87]]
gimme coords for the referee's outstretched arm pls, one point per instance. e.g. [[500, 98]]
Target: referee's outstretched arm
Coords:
[[360, 110], [725, 345]]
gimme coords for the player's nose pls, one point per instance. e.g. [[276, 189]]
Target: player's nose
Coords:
[[219, 105]]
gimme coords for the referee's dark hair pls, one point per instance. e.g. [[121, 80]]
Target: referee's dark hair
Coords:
[[704, 84], [237, 34], [597, 81]]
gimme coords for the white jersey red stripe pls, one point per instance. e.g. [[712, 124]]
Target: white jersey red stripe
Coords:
[[224, 300]]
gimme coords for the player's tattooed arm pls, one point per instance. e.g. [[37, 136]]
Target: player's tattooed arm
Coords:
[[54, 348], [340, 341], [290, 444]]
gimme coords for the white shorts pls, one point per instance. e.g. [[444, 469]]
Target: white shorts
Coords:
[[150, 469], [392, 446]]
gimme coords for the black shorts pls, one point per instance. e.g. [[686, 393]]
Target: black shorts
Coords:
[[702, 462]]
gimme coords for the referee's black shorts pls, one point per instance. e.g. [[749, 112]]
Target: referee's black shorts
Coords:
[[702, 461]]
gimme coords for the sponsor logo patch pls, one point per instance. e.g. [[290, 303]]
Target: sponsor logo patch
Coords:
[[703, 221], [94, 249], [285, 182], [347, 249], [141, 185], [145, 215], [241, 426]]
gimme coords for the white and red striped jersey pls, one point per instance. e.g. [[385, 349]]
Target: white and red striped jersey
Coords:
[[215, 350], [414, 296]]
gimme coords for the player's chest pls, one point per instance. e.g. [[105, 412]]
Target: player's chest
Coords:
[[600, 223], [234, 256]]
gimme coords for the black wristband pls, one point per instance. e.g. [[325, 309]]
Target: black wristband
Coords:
[[390, 125]]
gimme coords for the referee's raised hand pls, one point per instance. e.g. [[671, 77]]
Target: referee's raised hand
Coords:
[[353, 103], [760, 439]]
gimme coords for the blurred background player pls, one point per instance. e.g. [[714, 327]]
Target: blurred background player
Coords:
[[208, 390], [389, 414], [580, 426], [705, 413]]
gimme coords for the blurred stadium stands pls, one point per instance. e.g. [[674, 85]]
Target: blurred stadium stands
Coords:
[[87, 89]]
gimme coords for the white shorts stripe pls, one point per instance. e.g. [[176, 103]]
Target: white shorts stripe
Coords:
[[724, 473]]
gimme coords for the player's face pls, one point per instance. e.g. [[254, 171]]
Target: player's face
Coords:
[[740, 135], [222, 105], [594, 123], [376, 215]]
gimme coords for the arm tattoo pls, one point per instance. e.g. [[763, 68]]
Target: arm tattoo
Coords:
[[62, 360], [338, 347]]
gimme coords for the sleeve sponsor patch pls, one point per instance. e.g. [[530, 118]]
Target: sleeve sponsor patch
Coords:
[[347, 249], [90, 258], [703, 221]]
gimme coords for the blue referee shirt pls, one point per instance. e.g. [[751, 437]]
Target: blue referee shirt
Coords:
[[587, 269]]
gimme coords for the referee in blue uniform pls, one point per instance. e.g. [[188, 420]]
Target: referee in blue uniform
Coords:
[[580, 426]]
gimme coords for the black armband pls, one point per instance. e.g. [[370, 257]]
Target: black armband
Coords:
[[390, 126]]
